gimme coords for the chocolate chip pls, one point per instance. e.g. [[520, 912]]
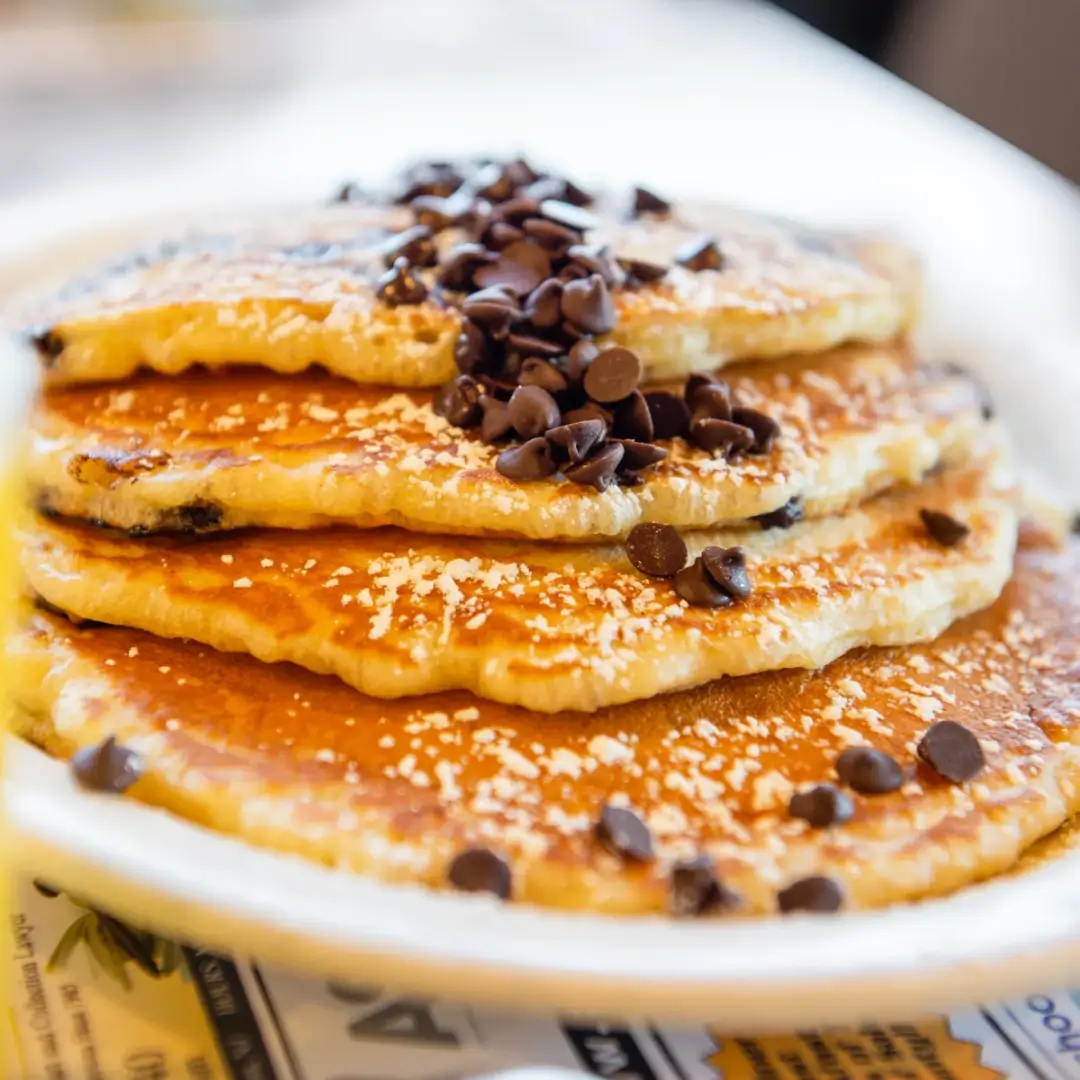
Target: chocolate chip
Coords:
[[429, 178], [713, 401], [480, 870], [869, 771], [695, 382], [494, 182], [565, 213], [500, 235], [952, 751], [459, 402], [623, 833], [537, 372], [589, 411], [782, 517], [613, 375], [811, 894], [49, 346], [529, 345], [765, 428], [400, 286], [436, 212], [531, 460], [516, 211], [713, 435], [670, 414], [696, 586], [496, 422], [821, 806], [551, 236], [494, 310], [581, 355], [695, 890], [521, 267], [645, 202], [470, 348], [639, 455], [533, 411], [944, 528], [414, 245], [542, 308], [639, 272], [577, 440], [586, 259], [202, 515], [727, 567], [633, 419], [587, 304], [461, 262], [599, 470], [107, 767], [656, 550], [700, 254]]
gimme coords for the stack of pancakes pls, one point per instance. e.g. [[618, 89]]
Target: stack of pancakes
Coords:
[[604, 554]]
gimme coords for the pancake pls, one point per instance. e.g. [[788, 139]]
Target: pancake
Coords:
[[547, 626], [195, 453], [301, 763], [301, 289]]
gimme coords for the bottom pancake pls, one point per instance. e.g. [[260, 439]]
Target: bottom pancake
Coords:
[[396, 789]]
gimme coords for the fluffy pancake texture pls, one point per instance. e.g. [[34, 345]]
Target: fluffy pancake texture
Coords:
[[301, 763], [301, 289], [547, 626], [199, 453]]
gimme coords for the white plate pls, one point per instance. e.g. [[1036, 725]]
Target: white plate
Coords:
[[176, 878]]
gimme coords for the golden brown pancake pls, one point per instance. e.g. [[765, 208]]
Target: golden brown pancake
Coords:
[[300, 289], [301, 763], [542, 625], [198, 453]]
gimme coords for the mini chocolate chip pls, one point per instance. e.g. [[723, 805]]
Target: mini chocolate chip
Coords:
[[106, 767], [494, 310], [700, 254], [521, 267], [783, 517], [944, 528], [714, 401], [727, 567], [695, 890], [639, 455], [496, 422], [765, 428], [577, 440], [529, 345], [597, 471], [494, 182], [811, 894], [633, 419], [952, 751], [500, 235], [400, 286], [655, 549], [587, 304], [670, 414], [552, 236], [470, 348], [538, 372], [531, 460], [517, 210], [593, 259], [459, 402], [712, 435], [613, 375], [821, 806], [436, 212], [589, 411], [480, 870], [542, 308], [565, 213], [623, 833], [49, 346], [581, 355], [869, 771], [415, 245], [639, 272], [533, 411], [695, 585], [461, 262], [645, 202]]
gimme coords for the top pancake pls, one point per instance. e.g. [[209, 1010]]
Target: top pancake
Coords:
[[196, 453], [300, 289], [301, 763]]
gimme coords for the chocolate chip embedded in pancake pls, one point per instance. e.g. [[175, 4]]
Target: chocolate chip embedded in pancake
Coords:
[[544, 625], [307, 450], [402, 790]]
